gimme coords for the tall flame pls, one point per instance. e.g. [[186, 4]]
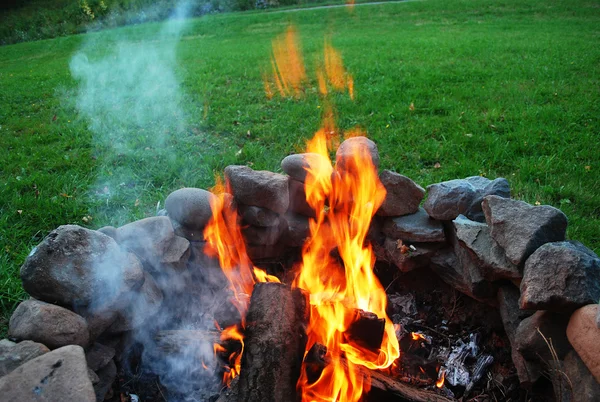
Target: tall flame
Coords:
[[337, 270], [335, 73], [287, 63]]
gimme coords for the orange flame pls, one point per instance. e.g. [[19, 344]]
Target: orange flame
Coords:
[[416, 336], [235, 359], [287, 63], [442, 377], [339, 284], [336, 74]]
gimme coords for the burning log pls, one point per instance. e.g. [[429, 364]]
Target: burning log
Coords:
[[366, 329], [275, 339]]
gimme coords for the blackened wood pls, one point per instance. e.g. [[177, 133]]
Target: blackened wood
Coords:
[[366, 329], [382, 382], [315, 361], [274, 344]]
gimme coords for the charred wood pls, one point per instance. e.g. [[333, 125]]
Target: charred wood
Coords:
[[366, 329]]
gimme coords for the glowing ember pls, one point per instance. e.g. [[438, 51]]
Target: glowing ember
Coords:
[[441, 377], [338, 285], [417, 335]]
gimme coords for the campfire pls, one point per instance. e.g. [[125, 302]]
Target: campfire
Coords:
[[327, 283]]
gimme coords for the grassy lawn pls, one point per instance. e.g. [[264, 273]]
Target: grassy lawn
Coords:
[[500, 88]]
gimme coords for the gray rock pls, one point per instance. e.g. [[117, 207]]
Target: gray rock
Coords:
[[263, 236], [5, 343], [51, 325], [598, 319], [403, 195], [259, 188], [561, 276], [355, 145], [295, 165], [148, 238], [531, 344], [258, 216], [584, 387], [297, 230], [12, 356], [190, 207], [99, 356], [106, 376], [75, 266], [448, 199], [137, 306], [298, 204], [483, 251], [417, 227], [583, 335], [407, 259], [98, 321], [177, 254], [520, 228], [110, 231], [60, 375], [162, 212], [93, 376], [189, 234]]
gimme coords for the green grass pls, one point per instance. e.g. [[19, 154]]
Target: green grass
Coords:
[[500, 88]]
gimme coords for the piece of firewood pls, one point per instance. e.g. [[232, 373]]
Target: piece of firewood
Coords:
[[405, 391], [274, 343], [366, 330]]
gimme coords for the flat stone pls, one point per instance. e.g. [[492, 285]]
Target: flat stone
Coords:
[[298, 204], [406, 258], [51, 325], [74, 266], [296, 165], [446, 265], [106, 377], [5, 343], [177, 254], [520, 228], [483, 251], [448, 199], [584, 335], [60, 375], [402, 197], [584, 387], [561, 276], [359, 147], [258, 216], [99, 356], [190, 207], [148, 238], [12, 356], [259, 188], [417, 227], [479, 286], [531, 344]]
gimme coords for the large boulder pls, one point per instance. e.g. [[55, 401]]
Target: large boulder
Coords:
[[51, 325], [584, 335], [482, 251], [60, 375], [74, 266], [448, 199], [260, 188], [561, 276], [296, 165], [12, 356], [190, 207], [520, 228], [402, 197], [417, 227]]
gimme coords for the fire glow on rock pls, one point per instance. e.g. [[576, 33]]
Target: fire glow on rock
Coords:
[[337, 262]]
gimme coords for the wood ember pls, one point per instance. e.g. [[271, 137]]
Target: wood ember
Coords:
[[480, 368], [274, 344], [366, 329]]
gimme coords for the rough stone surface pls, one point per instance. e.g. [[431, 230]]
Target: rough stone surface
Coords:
[[295, 165], [296, 231], [483, 251], [448, 199], [98, 321], [106, 376], [137, 306], [520, 228], [99, 356], [262, 236], [402, 197], [298, 204], [584, 387], [584, 336], [417, 227], [14, 355], [148, 238], [258, 216], [531, 344], [407, 259], [598, 319], [177, 254], [260, 188], [76, 266], [446, 265], [110, 231], [51, 325], [60, 375], [561, 276], [190, 207], [362, 145]]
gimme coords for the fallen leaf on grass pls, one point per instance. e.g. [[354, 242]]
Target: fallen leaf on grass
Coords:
[[137, 203], [66, 195], [19, 211], [437, 165], [412, 107]]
